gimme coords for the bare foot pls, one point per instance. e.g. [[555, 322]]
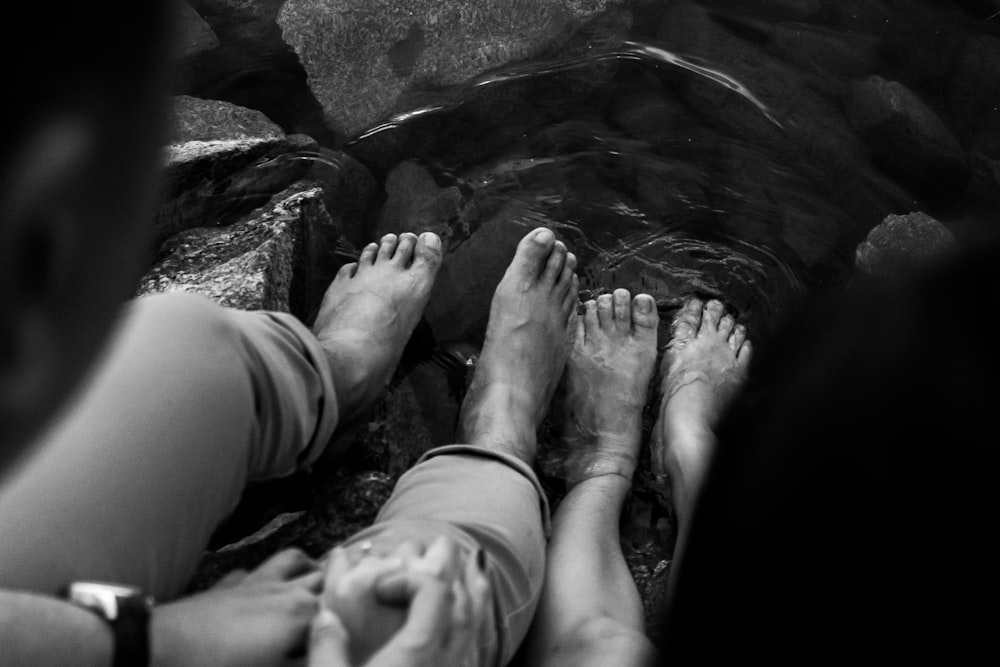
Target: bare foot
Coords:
[[704, 366], [607, 378], [527, 342], [369, 312]]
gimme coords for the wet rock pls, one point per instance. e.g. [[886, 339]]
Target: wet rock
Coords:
[[239, 9], [258, 263], [215, 182], [395, 437], [871, 16], [974, 89], [774, 10], [194, 35], [362, 57], [416, 203], [649, 115], [902, 243], [984, 186], [212, 120], [460, 302], [824, 52], [909, 140]]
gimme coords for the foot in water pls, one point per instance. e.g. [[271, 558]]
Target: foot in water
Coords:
[[703, 367], [527, 342], [607, 379], [369, 312]]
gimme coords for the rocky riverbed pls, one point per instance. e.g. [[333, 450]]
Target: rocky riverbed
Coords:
[[760, 152]]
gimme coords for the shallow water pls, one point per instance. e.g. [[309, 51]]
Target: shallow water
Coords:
[[738, 149], [686, 148]]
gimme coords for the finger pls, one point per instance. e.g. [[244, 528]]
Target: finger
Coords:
[[328, 641], [312, 582], [477, 586], [429, 619], [338, 565], [410, 550], [441, 559], [283, 566], [234, 578], [461, 616]]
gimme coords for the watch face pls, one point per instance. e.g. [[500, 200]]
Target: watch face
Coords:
[[97, 587], [105, 599]]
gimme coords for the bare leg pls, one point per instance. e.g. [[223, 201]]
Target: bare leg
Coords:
[[704, 366], [527, 342], [590, 612]]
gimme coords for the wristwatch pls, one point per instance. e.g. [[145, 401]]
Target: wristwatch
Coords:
[[126, 610]]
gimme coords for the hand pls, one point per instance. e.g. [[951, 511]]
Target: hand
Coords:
[[246, 620], [443, 603]]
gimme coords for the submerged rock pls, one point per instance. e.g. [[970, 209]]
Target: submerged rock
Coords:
[[909, 140], [194, 36], [416, 203], [804, 131], [363, 56], [902, 243]]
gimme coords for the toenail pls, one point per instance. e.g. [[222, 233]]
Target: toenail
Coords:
[[544, 236], [431, 240], [644, 305]]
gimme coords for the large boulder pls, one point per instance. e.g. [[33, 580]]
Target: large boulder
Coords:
[[260, 262], [362, 57]]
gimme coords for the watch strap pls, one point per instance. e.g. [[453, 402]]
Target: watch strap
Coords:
[[131, 633]]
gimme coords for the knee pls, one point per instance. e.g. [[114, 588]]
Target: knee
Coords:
[[188, 319]]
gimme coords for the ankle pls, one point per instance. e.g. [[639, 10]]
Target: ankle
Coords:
[[612, 486], [499, 417]]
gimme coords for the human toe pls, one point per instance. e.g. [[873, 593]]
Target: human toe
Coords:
[[644, 315], [571, 299], [428, 251], [590, 314], [622, 309], [605, 311], [368, 254], [687, 321], [346, 271], [711, 315], [404, 249], [726, 324], [555, 263], [387, 247], [737, 337], [533, 252]]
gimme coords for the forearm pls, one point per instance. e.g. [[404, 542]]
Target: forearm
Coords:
[[39, 631]]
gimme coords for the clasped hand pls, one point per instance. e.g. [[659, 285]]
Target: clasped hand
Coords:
[[410, 607]]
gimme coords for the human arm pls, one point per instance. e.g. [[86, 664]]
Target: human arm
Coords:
[[43, 631], [260, 618]]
